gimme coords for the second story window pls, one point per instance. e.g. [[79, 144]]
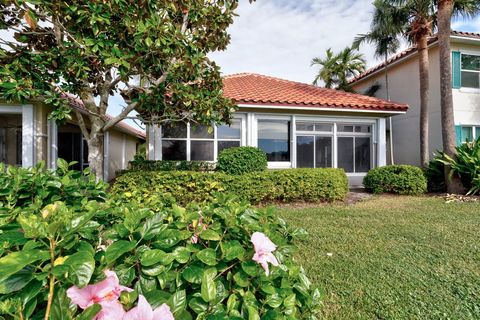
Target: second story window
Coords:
[[470, 71]]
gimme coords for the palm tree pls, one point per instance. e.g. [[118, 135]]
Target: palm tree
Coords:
[[384, 35], [337, 69], [447, 9]]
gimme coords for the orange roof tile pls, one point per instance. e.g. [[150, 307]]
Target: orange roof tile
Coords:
[[255, 89]]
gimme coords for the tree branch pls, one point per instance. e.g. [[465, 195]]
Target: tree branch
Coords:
[[81, 124], [110, 123]]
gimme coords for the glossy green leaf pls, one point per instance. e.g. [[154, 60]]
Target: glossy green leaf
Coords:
[[208, 288], [207, 256], [82, 266], [178, 302], [117, 249], [16, 261], [181, 254], [233, 250], [151, 257], [210, 235], [193, 273], [16, 281]]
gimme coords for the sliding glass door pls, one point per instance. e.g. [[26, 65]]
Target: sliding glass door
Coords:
[[314, 152]]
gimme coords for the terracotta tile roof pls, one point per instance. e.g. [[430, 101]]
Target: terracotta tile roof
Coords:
[[255, 89], [122, 126], [408, 52]]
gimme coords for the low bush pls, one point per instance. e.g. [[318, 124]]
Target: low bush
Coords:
[[256, 187], [164, 165], [75, 260], [466, 165], [435, 174], [242, 160], [399, 179]]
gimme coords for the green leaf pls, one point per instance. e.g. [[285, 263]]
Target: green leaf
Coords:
[[210, 235], [152, 257], [82, 265], [253, 313], [208, 288], [241, 278], [181, 254], [117, 249], [153, 226], [16, 281], [207, 256], [193, 273], [233, 250], [178, 302], [16, 261], [157, 297], [90, 312], [250, 268], [198, 305]]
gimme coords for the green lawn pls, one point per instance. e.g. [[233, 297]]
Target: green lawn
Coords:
[[393, 258]]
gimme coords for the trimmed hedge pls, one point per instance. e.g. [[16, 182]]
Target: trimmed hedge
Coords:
[[257, 187], [242, 160], [400, 179], [164, 165]]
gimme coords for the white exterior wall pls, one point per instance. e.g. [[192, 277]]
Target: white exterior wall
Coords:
[[465, 100], [405, 88]]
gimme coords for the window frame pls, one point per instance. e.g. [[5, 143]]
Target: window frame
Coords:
[[291, 138], [188, 139], [356, 135], [314, 133], [475, 131], [462, 54]]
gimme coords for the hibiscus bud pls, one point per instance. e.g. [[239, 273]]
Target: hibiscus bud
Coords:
[[49, 210]]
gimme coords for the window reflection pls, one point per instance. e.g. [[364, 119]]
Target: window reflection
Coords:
[[274, 139]]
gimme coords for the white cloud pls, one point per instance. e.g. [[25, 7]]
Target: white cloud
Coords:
[[280, 38]]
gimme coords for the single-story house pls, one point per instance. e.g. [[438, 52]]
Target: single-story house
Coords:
[[298, 126], [27, 137], [403, 74]]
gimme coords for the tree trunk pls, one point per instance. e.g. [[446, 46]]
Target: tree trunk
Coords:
[[445, 9], [422, 47], [387, 88], [95, 149]]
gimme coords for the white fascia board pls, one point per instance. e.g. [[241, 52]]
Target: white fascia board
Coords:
[[277, 107]]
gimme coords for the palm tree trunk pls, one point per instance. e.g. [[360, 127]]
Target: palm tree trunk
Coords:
[[422, 47], [445, 9], [387, 88]]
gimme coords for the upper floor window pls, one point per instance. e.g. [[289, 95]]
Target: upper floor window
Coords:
[[471, 71]]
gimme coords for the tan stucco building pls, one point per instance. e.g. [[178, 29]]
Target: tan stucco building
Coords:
[[404, 83]]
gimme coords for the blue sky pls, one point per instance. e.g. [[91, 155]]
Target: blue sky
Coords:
[[280, 37]]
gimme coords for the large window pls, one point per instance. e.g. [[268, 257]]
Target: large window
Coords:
[[72, 146], [470, 71], [181, 141], [274, 139], [467, 134], [354, 153], [314, 145]]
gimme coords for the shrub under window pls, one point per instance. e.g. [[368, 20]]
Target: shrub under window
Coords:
[[400, 179], [241, 160]]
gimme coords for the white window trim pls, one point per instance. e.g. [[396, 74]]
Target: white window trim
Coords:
[[215, 139], [469, 89], [276, 164]]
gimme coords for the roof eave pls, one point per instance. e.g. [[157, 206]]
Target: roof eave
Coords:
[[320, 108]]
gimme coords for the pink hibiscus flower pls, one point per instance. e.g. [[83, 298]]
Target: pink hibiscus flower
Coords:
[[111, 310], [263, 251], [143, 311], [107, 290]]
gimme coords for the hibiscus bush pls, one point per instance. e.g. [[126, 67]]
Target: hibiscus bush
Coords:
[[106, 259]]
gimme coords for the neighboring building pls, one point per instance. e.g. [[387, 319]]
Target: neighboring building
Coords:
[[28, 137], [297, 125], [405, 87]]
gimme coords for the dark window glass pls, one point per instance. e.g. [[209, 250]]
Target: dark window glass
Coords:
[[305, 147], [477, 133], [363, 129], [201, 132], [70, 147], [470, 62], [274, 139], [174, 130], [345, 153], [467, 134], [362, 155], [201, 151], [470, 79], [325, 127], [174, 150], [323, 155], [229, 132], [305, 126], [85, 153], [222, 145], [345, 128]]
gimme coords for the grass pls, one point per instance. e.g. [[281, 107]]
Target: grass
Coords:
[[393, 258]]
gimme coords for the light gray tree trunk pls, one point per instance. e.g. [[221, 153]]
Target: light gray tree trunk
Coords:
[[422, 46]]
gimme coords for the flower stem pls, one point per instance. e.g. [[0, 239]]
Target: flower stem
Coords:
[[51, 282]]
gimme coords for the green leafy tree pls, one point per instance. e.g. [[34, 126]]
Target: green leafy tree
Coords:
[[337, 69], [384, 36], [445, 10], [151, 52]]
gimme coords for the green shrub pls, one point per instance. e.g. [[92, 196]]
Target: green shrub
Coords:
[[198, 260], [466, 165], [242, 160], [255, 187], [400, 179], [435, 174], [164, 165]]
